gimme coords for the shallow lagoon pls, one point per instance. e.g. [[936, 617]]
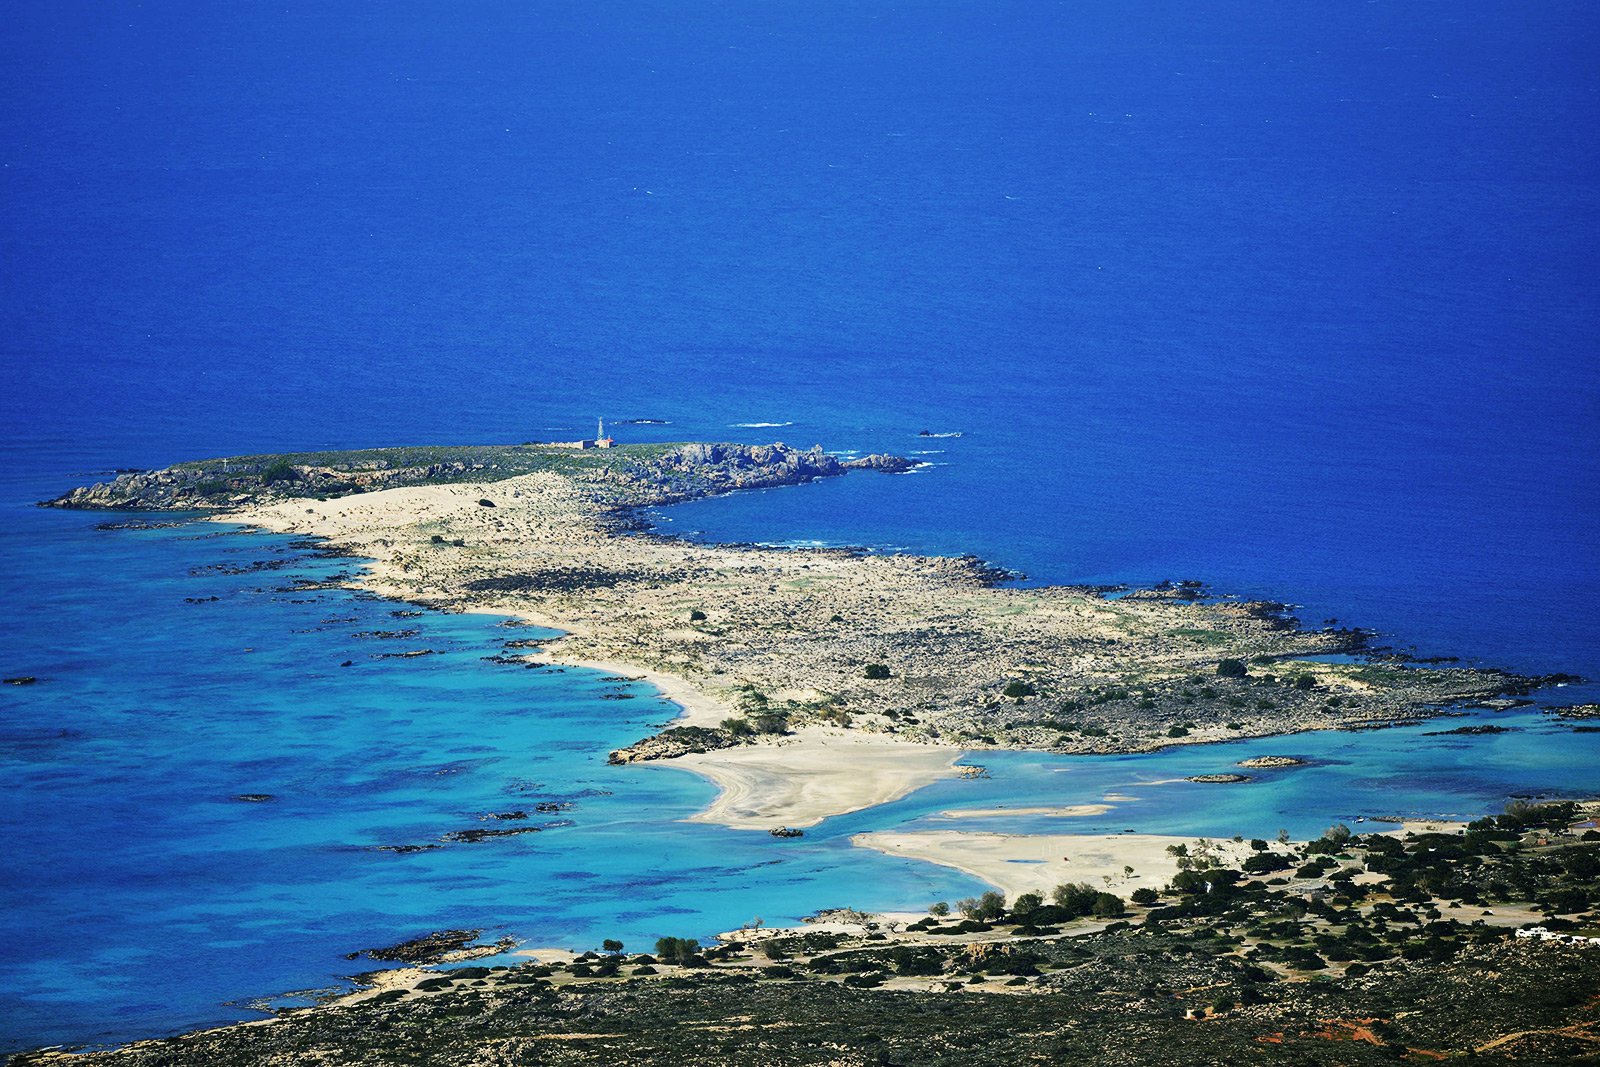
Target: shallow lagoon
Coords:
[[147, 899], [144, 895]]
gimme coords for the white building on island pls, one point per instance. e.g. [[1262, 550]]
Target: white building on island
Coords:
[[600, 440]]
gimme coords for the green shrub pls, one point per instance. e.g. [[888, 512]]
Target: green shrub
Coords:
[[770, 722], [1303, 959], [877, 671], [1265, 863], [1232, 668], [1075, 899], [279, 471], [1107, 906], [1017, 690]]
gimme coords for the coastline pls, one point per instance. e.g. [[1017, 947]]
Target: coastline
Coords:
[[696, 708], [1309, 956], [733, 633], [1036, 863], [797, 781], [816, 768]]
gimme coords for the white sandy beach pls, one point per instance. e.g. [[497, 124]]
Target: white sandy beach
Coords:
[[697, 708], [1024, 863], [813, 775]]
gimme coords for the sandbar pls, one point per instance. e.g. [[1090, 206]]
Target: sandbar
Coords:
[[1069, 811], [1036, 863], [813, 775]]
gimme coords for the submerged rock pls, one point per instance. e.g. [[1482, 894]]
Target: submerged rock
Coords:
[[1272, 761], [1218, 779], [472, 837], [1577, 711], [405, 850], [137, 524]]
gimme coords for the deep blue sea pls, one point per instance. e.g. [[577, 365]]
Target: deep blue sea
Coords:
[[1301, 301]]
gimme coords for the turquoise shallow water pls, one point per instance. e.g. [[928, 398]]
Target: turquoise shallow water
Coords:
[[1348, 776], [1298, 301], [145, 896], [182, 667]]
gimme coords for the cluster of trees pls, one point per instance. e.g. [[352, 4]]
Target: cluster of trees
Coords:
[[1528, 815], [986, 908], [682, 951], [1067, 902], [1334, 839]]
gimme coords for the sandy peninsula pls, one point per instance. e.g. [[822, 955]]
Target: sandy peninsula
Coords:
[[812, 681]]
